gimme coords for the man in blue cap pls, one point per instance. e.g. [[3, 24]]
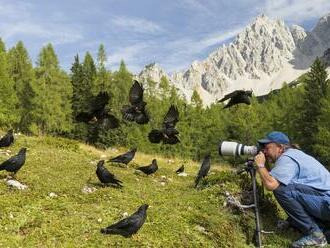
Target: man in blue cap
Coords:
[[300, 184]]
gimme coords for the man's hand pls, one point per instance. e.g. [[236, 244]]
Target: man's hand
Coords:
[[269, 182], [260, 159]]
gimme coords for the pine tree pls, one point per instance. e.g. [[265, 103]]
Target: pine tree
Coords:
[[103, 76], [120, 85], [315, 91], [121, 82], [21, 70], [55, 91], [8, 98], [89, 72], [196, 100], [321, 147]]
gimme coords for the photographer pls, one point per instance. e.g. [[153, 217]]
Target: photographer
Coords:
[[300, 184]]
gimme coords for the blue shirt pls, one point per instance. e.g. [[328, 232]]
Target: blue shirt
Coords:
[[295, 166]]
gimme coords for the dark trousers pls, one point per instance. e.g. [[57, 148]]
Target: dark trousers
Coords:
[[308, 208]]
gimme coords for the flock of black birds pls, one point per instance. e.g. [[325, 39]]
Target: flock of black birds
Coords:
[[98, 114]]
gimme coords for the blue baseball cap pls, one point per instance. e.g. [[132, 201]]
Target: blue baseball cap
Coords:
[[275, 137]]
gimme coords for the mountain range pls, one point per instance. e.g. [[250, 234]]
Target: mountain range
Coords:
[[261, 58]]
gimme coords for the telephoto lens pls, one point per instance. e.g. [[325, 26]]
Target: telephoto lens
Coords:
[[231, 148]]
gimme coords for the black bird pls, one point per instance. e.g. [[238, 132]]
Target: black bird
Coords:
[[107, 121], [124, 158], [105, 176], [168, 133], [14, 163], [130, 225], [204, 169], [149, 169], [180, 170], [97, 112], [237, 97], [7, 139], [136, 110]]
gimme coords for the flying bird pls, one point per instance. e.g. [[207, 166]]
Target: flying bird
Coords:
[[7, 139], [168, 133], [14, 163], [130, 225], [124, 158], [237, 97], [105, 176], [136, 110], [149, 169], [180, 170], [204, 169], [97, 112]]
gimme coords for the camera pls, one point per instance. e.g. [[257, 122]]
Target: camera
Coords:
[[231, 148]]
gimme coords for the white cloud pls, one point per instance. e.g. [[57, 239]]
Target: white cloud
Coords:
[[18, 22], [138, 25], [199, 7], [174, 55], [297, 10], [128, 54], [50, 33], [9, 10], [197, 45]]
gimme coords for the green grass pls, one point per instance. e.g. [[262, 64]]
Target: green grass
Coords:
[[179, 215]]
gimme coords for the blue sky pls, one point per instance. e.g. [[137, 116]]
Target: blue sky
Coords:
[[170, 33]]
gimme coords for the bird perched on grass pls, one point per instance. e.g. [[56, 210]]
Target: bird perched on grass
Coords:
[[14, 163], [204, 169], [237, 97], [136, 110], [105, 176], [180, 170], [168, 133], [130, 225], [97, 112], [124, 158], [7, 139], [149, 169]]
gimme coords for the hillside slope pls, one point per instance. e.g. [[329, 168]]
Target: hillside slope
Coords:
[[179, 215]]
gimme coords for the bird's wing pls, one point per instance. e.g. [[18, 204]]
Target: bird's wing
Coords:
[[100, 101], [205, 166], [127, 222], [172, 117], [107, 174], [230, 95], [136, 93], [11, 161], [118, 158], [108, 121]]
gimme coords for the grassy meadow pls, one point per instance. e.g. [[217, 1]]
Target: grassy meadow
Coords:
[[178, 216]]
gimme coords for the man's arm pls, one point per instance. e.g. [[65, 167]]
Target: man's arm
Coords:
[[269, 182]]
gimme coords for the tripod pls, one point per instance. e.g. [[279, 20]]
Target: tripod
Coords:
[[252, 171]]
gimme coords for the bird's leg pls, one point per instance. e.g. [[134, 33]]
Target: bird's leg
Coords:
[[13, 175]]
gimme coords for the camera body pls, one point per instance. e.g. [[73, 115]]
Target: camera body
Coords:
[[231, 148]]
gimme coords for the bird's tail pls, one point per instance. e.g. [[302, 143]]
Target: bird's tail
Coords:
[[197, 181], [105, 230], [115, 160], [108, 230], [118, 183]]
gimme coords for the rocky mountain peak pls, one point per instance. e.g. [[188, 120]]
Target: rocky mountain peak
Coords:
[[154, 72], [263, 56]]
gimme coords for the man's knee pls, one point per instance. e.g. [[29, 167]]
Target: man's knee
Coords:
[[283, 191]]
